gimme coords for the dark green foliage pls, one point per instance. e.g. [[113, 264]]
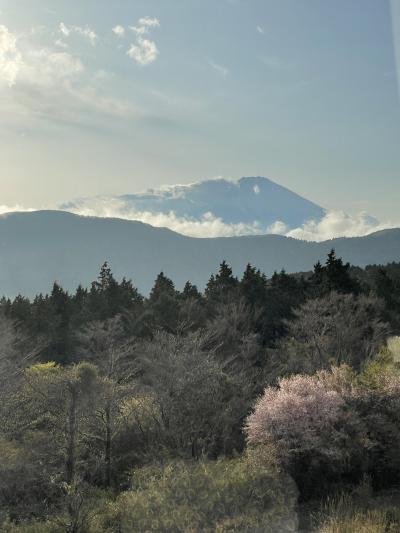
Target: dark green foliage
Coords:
[[222, 286], [108, 298], [56, 318], [284, 293], [162, 311], [253, 287], [171, 378], [334, 276], [190, 291]]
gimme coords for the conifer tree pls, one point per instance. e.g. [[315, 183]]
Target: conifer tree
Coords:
[[222, 286], [253, 286], [163, 309], [190, 291], [60, 305], [163, 286], [338, 275]]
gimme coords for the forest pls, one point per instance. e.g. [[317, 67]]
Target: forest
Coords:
[[267, 404]]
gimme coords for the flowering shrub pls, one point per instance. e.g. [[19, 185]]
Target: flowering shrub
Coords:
[[297, 416], [331, 428], [312, 432]]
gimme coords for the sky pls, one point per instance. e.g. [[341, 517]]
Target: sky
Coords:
[[101, 97]]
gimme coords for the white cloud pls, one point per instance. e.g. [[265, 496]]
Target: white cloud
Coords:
[[207, 226], [143, 51], [51, 85], [85, 31], [145, 24], [89, 34], [277, 228], [61, 44], [139, 30], [46, 68], [33, 66], [149, 22], [4, 209], [222, 71], [119, 30], [338, 224], [10, 57], [334, 224], [64, 29]]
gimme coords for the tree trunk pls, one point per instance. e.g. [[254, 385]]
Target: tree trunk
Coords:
[[72, 431], [108, 450]]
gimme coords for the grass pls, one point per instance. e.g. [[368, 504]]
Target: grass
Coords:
[[394, 347], [359, 512]]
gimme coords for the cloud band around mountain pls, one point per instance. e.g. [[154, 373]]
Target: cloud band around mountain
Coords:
[[334, 224]]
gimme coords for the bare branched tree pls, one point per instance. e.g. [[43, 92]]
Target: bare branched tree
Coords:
[[335, 329]]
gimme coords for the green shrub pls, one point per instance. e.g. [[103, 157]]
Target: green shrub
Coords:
[[26, 489], [32, 527], [225, 495]]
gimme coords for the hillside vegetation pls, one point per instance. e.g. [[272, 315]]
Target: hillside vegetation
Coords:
[[39, 247], [261, 404]]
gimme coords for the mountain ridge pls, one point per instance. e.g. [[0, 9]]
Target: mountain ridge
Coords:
[[40, 247]]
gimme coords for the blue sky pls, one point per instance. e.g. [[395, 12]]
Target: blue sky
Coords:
[[301, 91]]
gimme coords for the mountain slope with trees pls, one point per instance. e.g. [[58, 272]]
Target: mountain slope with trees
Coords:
[[40, 247], [228, 409]]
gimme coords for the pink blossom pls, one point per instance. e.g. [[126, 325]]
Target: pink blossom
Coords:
[[298, 415]]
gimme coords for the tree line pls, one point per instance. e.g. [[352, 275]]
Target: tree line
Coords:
[[228, 406], [55, 318]]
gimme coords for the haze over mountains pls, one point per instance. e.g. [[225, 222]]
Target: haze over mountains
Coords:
[[223, 208], [37, 248], [248, 220]]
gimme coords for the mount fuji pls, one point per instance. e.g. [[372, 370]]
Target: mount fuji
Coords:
[[210, 208]]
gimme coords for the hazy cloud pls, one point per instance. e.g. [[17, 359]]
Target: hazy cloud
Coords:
[[13, 209], [119, 30], [34, 66], [51, 85], [64, 29], [222, 71], [85, 31], [10, 57], [61, 44], [260, 29]]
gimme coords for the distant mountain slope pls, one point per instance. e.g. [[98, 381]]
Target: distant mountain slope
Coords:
[[247, 201], [39, 247]]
